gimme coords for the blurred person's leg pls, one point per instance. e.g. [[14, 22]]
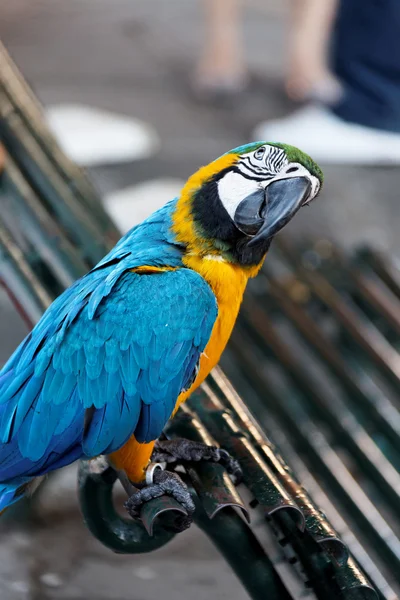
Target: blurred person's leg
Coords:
[[363, 125], [221, 65], [309, 74]]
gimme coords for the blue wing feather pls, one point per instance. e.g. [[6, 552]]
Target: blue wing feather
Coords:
[[102, 364], [108, 358]]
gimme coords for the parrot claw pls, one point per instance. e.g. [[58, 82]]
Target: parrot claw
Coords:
[[159, 483], [181, 450]]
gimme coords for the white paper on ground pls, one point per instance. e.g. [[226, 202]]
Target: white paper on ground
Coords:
[[90, 136], [132, 205]]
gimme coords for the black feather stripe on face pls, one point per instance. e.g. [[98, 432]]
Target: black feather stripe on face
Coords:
[[210, 215], [215, 224]]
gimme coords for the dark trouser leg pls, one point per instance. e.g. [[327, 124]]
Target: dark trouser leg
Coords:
[[366, 58]]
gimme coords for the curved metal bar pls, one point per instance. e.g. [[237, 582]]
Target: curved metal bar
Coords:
[[122, 535]]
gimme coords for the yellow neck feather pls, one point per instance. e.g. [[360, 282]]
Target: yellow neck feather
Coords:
[[183, 225], [201, 254]]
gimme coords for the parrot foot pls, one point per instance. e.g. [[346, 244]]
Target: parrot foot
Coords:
[[163, 482], [173, 451]]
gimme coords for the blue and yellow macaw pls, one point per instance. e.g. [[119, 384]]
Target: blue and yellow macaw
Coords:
[[115, 355]]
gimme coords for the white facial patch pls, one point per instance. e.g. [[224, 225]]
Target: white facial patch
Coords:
[[255, 171], [233, 188]]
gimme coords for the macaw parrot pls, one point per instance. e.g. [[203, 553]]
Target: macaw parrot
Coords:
[[115, 355]]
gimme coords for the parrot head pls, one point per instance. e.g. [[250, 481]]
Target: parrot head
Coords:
[[242, 199]]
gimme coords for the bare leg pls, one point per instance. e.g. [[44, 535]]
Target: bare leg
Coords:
[[308, 69], [221, 65]]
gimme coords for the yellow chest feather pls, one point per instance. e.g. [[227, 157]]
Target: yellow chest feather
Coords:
[[228, 283]]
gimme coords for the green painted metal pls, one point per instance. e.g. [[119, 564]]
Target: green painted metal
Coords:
[[40, 227], [19, 280], [352, 434], [315, 352], [244, 553], [286, 407], [359, 331], [384, 266], [57, 197], [66, 195], [315, 522], [28, 110], [262, 482], [95, 487], [211, 482]]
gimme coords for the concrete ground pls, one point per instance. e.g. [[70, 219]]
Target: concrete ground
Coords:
[[59, 560], [136, 58]]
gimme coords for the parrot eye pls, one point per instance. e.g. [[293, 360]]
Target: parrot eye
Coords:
[[258, 154]]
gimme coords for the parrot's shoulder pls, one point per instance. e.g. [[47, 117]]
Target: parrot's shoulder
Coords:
[[154, 283], [169, 304]]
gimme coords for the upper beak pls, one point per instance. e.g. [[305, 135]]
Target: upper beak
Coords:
[[283, 198]]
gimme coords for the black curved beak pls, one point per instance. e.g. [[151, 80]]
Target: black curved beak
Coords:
[[283, 198], [262, 214]]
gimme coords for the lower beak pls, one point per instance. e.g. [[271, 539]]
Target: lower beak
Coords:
[[283, 198]]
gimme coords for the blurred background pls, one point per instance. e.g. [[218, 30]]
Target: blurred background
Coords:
[[142, 94]]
